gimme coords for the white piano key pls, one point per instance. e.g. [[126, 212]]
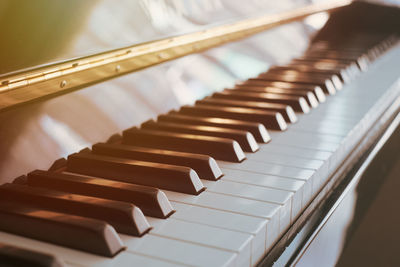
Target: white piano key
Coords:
[[266, 180], [172, 250], [279, 170], [286, 160], [330, 117], [294, 151], [305, 140], [297, 187], [329, 125], [362, 101], [348, 105], [268, 168], [306, 136], [133, 259], [337, 112], [257, 227], [238, 186], [272, 195], [318, 144], [340, 131], [350, 118], [80, 258], [238, 205], [351, 109], [227, 240], [248, 191]]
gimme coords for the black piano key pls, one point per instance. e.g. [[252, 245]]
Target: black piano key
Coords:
[[245, 139], [152, 201], [216, 147], [361, 60], [90, 235], [286, 111], [334, 54], [318, 92], [351, 68], [304, 92], [58, 164], [299, 104], [314, 76], [258, 130], [11, 256], [354, 50], [175, 178], [124, 217], [341, 73], [307, 95], [313, 97], [325, 84], [271, 120], [205, 166]]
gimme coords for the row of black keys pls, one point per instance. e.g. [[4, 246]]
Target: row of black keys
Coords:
[[114, 182]]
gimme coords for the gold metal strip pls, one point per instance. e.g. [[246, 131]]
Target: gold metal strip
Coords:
[[67, 76]]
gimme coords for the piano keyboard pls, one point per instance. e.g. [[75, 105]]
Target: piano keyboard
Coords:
[[266, 148]]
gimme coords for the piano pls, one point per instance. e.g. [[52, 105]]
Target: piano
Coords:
[[211, 133]]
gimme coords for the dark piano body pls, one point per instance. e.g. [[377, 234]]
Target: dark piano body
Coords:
[[237, 155]]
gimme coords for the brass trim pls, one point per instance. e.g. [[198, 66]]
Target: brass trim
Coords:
[[63, 77]]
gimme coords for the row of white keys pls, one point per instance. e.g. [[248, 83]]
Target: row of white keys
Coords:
[[298, 138], [153, 249], [292, 161], [251, 184], [266, 164], [305, 175], [209, 236], [205, 223], [300, 152], [259, 228], [268, 195], [74, 257], [324, 129], [269, 213]]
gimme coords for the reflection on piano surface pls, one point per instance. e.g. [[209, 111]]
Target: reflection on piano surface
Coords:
[[214, 159]]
